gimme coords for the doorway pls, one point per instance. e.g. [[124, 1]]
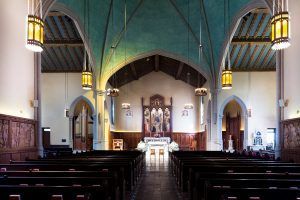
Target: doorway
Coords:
[[82, 123]]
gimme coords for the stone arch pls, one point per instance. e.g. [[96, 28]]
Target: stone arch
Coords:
[[233, 27], [244, 114], [71, 115]]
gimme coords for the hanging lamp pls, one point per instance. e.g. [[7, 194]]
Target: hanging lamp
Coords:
[[200, 91], [113, 92], [226, 72], [34, 27], [87, 75], [280, 26]]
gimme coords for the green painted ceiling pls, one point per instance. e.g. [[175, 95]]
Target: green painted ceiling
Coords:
[[155, 25]]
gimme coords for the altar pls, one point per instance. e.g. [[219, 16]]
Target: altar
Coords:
[[157, 141]]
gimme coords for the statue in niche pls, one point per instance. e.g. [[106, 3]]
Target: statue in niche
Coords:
[[258, 139], [147, 120], [167, 115]]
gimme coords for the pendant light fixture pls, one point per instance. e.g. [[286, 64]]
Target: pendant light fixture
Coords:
[[199, 91], [114, 92], [87, 75], [226, 72], [34, 26], [125, 105], [188, 75], [280, 25]]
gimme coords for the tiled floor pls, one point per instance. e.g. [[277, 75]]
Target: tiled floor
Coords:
[[156, 182]]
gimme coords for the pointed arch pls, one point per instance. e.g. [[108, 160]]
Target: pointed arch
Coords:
[[75, 102], [244, 114], [152, 53]]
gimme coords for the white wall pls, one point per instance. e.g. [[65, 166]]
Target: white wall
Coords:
[[16, 62], [165, 85], [53, 103], [258, 91], [291, 64]]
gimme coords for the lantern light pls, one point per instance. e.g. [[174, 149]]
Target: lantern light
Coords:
[[280, 27], [200, 91], [87, 80], [226, 79], [34, 27]]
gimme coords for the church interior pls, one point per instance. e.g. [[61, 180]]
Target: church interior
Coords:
[[149, 99]]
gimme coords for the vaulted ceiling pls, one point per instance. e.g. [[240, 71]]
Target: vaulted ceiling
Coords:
[[178, 70], [170, 26]]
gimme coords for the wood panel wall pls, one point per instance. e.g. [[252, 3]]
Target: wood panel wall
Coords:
[[183, 139], [17, 138], [290, 139]]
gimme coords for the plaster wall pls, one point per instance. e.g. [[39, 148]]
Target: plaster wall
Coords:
[[54, 102], [16, 62], [165, 85], [291, 69], [258, 92]]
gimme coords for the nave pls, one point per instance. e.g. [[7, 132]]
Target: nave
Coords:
[[134, 175]]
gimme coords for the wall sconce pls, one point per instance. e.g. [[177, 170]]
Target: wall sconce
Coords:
[[283, 103], [249, 112]]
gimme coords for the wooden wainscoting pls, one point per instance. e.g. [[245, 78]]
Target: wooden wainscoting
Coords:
[[290, 139], [17, 138], [184, 140], [130, 139]]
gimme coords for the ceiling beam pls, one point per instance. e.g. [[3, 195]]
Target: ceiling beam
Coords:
[[133, 71], [251, 25], [266, 58], [156, 66], [53, 13], [238, 56], [64, 27], [259, 55], [56, 27], [251, 40], [260, 24], [179, 70], [261, 10], [252, 56], [60, 70], [254, 69], [58, 43]]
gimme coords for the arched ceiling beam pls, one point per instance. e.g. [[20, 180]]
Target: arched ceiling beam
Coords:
[[156, 65], [179, 70]]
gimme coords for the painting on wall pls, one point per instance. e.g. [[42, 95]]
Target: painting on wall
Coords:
[[185, 113], [291, 134], [157, 117]]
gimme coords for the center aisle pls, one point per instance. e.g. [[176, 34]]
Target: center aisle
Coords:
[[157, 182]]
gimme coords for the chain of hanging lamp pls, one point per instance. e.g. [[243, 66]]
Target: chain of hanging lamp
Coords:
[[200, 91], [188, 105], [227, 73], [87, 76], [125, 105]]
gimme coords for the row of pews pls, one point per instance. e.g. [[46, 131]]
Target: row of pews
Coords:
[[214, 175], [109, 175]]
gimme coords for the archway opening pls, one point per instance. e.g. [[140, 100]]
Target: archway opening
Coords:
[[233, 126], [82, 123]]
